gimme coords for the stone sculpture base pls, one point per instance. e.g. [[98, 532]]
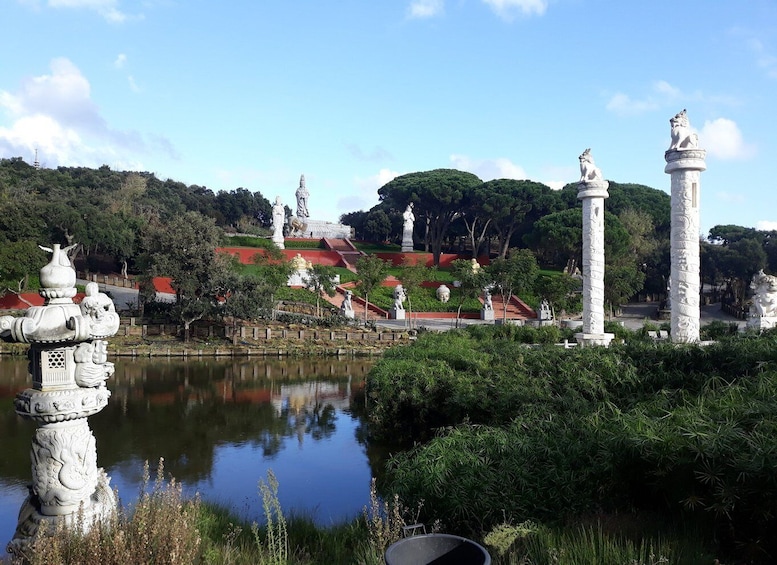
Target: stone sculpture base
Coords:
[[348, 314], [587, 340], [319, 229], [761, 323], [298, 278], [397, 314], [486, 314], [101, 506], [279, 242]]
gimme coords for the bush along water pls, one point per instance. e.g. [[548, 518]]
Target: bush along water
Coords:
[[509, 433]]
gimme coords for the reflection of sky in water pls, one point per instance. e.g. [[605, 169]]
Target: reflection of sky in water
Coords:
[[11, 497], [322, 470], [327, 480]]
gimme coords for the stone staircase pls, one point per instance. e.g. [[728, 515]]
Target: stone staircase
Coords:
[[347, 251], [516, 308]]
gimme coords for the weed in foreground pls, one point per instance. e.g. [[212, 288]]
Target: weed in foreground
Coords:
[[275, 550], [160, 530]]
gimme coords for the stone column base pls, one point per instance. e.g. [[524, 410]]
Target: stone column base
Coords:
[[397, 314], [102, 505], [348, 314], [486, 314], [761, 323], [586, 340]]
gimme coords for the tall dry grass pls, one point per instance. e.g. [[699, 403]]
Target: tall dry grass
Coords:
[[161, 529]]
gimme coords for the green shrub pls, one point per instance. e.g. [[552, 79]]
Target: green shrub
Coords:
[[248, 241], [545, 432], [304, 244]]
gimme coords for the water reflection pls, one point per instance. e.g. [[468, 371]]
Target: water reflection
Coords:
[[219, 425]]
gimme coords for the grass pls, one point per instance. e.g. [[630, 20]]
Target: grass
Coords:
[[366, 247], [168, 529]]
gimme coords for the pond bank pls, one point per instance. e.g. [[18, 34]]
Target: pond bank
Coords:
[[260, 341]]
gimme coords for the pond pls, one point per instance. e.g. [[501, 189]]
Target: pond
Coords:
[[219, 425]]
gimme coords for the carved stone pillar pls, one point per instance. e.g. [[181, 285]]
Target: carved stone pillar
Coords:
[[68, 369], [593, 193], [685, 167]]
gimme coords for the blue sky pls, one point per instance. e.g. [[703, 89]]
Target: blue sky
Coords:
[[352, 93]]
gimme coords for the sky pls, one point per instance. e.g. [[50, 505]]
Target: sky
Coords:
[[352, 93]]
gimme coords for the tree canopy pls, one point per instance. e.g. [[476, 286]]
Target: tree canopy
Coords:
[[436, 196]]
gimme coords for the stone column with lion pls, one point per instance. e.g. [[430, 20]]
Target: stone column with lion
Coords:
[[685, 162]]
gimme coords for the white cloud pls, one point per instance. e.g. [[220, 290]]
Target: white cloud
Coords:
[[56, 114], [488, 169], [108, 9], [419, 9], [120, 61], [556, 184], [374, 182], [764, 59], [766, 225], [506, 9], [624, 105], [133, 85], [721, 137], [661, 93], [377, 154]]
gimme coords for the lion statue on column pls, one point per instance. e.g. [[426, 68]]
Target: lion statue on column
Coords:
[[682, 135], [588, 170]]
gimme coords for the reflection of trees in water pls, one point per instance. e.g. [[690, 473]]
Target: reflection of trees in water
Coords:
[[183, 410]]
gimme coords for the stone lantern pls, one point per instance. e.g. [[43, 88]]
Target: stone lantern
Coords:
[[68, 368]]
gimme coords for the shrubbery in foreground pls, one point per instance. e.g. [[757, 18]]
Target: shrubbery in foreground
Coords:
[[550, 434]]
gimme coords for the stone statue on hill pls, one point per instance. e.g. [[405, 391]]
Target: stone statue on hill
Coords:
[[302, 199]]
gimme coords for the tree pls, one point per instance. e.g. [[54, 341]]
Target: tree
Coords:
[[272, 273], [19, 260], [471, 282], [558, 237], [320, 279], [557, 289], [185, 250], [377, 226], [356, 220], [437, 197], [509, 202], [517, 273], [621, 282], [476, 217], [411, 275], [371, 270]]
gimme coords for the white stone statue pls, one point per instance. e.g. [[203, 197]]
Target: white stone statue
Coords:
[[588, 170], [487, 303], [302, 200], [682, 135], [545, 311], [407, 228], [346, 308], [399, 297], [443, 293], [278, 219], [475, 266], [765, 295]]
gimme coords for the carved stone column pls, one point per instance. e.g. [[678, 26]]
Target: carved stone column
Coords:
[[685, 162], [68, 368], [593, 193]]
